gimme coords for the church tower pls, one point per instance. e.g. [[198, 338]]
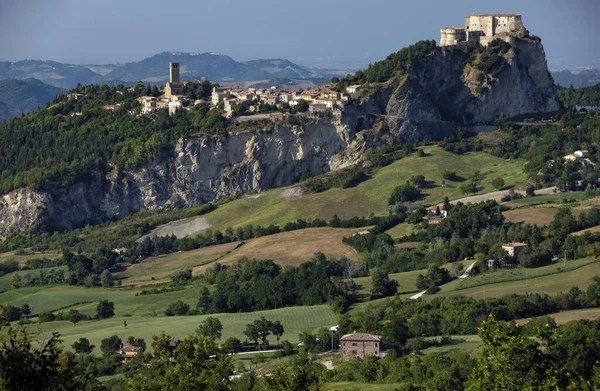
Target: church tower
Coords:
[[174, 74]]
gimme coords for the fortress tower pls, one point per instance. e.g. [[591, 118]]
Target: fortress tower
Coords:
[[482, 28], [174, 74]]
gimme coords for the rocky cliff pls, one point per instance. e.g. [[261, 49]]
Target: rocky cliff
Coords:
[[439, 92]]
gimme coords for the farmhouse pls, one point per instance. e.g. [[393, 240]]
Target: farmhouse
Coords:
[[359, 345], [514, 249], [129, 352]]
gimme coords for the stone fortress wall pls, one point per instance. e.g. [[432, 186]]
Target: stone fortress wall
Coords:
[[482, 29]]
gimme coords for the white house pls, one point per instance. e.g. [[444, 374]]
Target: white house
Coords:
[[353, 89]]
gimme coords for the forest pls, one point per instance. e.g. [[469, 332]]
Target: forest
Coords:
[[54, 146]]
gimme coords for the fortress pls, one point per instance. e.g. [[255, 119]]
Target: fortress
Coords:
[[483, 29]]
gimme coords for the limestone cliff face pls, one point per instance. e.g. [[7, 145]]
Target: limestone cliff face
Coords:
[[438, 93], [441, 92], [196, 171]]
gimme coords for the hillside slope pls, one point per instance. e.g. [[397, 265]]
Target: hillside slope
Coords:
[[426, 99], [24, 96]]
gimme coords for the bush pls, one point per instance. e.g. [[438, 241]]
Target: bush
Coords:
[[404, 193], [178, 308]]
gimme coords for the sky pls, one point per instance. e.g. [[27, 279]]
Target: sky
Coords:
[[321, 33]]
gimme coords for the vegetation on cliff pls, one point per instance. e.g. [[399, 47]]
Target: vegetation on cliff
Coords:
[[384, 70], [64, 142]]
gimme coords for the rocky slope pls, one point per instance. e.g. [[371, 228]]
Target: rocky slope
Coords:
[[440, 92]]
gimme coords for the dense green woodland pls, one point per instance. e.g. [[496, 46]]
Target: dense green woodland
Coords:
[[52, 146], [580, 96]]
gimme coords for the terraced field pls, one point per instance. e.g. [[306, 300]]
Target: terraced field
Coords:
[[295, 320]]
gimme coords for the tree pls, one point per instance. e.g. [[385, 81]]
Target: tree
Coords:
[[109, 346], [511, 360], [498, 183], [204, 302], [26, 364], [232, 345], [210, 328], [106, 279], [260, 329], [74, 316], [178, 308], [470, 187], [382, 285], [404, 193], [105, 309], [277, 330], [83, 345], [530, 191], [139, 342], [295, 377], [196, 364], [422, 282]]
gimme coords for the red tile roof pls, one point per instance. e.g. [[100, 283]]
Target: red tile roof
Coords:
[[361, 337]]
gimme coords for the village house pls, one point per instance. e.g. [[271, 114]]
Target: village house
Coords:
[[359, 345], [315, 108], [75, 96], [269, 99], [442, 209], [129, 352], [219, 94], [514, 249], [353, 89], [308, 96], [174, 105], [111, 107]]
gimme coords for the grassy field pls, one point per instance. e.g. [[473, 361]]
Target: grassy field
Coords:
[[294, 247], [6, 280], [271, 207], [160, 268], [295, 320], [400, 230], [557, 198], [553, 283], [535, 215], [406, 283], [29, 255], [517, 274]]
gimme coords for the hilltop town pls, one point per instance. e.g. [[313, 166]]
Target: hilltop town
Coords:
[[237, 101]]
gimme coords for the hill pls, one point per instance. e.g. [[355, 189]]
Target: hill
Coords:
[[51, 72], [213, 66], [155, 69], [585, 78], [24, 96]]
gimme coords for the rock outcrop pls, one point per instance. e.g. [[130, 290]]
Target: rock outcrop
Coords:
[[440, 91]]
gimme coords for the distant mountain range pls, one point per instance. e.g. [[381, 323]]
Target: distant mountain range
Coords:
[[23, 96], [213, 66], [585, 78]]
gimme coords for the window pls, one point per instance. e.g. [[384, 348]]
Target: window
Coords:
[[354, 344]]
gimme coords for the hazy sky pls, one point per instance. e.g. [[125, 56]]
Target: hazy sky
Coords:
[[311, 32]]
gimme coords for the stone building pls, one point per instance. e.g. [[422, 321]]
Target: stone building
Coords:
[[514, 249], [482, 28], [359, 345]]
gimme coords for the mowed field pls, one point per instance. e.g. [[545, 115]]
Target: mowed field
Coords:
[[295, 320], [294, 247], [277, 207], [535, 215], [158, 269], [560, 281]]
